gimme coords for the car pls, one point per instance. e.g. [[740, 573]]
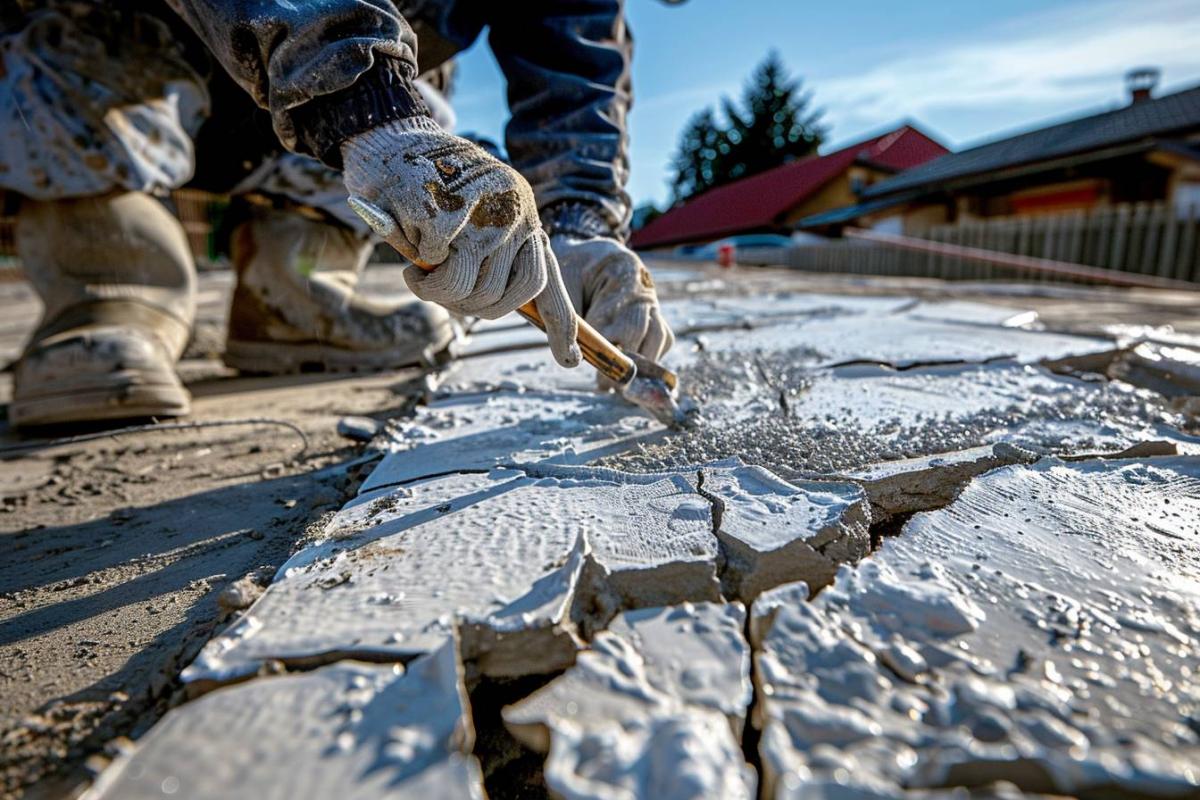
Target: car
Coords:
[[744, 241]]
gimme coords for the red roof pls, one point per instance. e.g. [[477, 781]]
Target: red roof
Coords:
[[761, 200]]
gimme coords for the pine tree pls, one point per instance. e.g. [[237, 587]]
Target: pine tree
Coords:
[[773, 126], [698, 164]]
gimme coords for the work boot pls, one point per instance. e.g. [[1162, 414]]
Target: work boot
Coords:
[[295, 308], [118, 283]]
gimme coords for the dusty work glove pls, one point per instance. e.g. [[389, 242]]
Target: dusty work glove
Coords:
[[444, 203], [613, 291]]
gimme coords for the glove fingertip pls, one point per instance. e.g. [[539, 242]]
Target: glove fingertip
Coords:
[[568, 357], [378, 220]]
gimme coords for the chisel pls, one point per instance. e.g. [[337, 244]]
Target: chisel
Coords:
[[644, 383]]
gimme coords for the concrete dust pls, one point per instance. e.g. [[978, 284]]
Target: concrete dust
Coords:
[[767, 423]]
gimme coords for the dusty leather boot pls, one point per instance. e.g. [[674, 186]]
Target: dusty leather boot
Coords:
[[118, 283], [295, 308]]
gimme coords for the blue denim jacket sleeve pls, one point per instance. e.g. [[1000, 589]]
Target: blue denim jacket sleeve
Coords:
[[328, 69], [325, 69], [568, 68]]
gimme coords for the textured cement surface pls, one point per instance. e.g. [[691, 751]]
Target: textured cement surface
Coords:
[[1025, 632], [533, 532], [348, 730], [127, 553]]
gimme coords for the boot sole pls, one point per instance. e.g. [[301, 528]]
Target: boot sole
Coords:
[[280, 358], [127, 395]]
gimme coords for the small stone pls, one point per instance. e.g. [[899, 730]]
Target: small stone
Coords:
[[238, 595], [359, 429]]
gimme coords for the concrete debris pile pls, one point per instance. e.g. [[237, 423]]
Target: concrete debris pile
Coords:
[[874, 572]]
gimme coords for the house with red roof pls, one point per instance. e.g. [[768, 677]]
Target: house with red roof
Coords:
[[1145, 152], [772, 201]]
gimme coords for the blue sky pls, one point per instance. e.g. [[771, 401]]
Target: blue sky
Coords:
[[964, 70]]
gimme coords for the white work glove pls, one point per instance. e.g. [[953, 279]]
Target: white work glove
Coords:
[[612, 289], [443, 202]]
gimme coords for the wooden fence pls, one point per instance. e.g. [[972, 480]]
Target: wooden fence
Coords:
[[1147, 238]]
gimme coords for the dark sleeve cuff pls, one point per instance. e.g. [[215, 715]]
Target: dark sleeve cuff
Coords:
[[382, 94], [576, 219]]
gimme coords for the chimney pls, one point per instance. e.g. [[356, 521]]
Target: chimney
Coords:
[[1141, 82]]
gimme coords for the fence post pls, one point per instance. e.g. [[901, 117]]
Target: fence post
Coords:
[[1073, 251], [1153, 234], [1186, 266], [1116, 256]]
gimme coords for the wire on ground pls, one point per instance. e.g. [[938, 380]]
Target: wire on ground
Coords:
[[156, 427]]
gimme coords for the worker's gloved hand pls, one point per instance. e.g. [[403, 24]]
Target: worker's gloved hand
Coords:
[[612, 289], [444, 203]]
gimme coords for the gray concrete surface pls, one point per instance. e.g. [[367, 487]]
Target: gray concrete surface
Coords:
[[520, 519]]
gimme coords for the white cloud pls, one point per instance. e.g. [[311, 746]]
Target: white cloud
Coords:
[[694, 97], [1054, 63]]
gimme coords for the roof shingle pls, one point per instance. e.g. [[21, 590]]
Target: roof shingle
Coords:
[[759, 201], [1159, 117]]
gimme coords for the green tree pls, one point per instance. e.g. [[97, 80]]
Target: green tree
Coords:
[[644, 214], [773, 125], [699, 163]]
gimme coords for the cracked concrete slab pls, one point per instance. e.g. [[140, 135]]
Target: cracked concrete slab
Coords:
[[533, 634], [502, 335], [1042, 629], [710, 313], [348, 730], [1169, 370], [395, 588], [798, 423], [908, 485], [637, 561], [774, 532], [904, 341], [654, 708], [478, 431], [483, 526], [970, 313]]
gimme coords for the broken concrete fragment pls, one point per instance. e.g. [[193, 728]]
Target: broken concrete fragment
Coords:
[[360, 429], [659, 550], [1152, 448], [1170, 371], [928, 482], [685, 756], [655, 708], [695, 652], [1041, 629], [239, 595], [347, 731], [774, 532], [532, 635], [489, 549]]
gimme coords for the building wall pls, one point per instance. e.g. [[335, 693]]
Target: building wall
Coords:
[[841, 191], [1104, 185]]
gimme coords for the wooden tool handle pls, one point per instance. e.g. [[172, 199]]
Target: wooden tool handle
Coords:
[[597, 351]]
